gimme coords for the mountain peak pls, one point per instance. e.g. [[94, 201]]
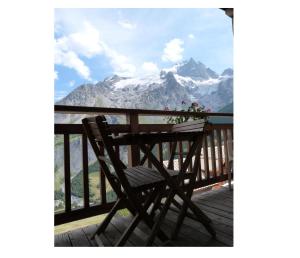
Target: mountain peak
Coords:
[[212, 73], [228, 72], [112, 78], [191, 61], [193, 69]]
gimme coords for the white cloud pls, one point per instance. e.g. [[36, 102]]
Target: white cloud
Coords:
[[150, 68], [71, 83], [127, 25], [120, 63], [88, 43], [71, 60], [85, 43], [55, 75], [173, 50], [191, 36]]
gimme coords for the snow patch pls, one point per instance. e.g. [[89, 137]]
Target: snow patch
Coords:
[[187, 81], [133, 82]]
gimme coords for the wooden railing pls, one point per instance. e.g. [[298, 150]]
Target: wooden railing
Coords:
[[214, 157]]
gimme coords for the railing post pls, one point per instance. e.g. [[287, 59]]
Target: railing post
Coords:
[[133, 150]]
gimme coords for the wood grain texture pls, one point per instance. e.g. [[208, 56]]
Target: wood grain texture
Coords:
[[192, 233]]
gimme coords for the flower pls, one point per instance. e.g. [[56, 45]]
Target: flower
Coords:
[[194, 107]]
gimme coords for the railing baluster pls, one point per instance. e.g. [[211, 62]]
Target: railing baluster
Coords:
[[188, 148], [220, 159], [148, 161], [85, 168], [180, 156], [206, 166], [160, 152], [226, 150], [230, 154], [117, 147], [133, 150], [67, 173], [170, 151], [213, 153], [102, 181], [199, 172]]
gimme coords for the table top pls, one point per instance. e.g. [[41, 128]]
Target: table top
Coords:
[[148, 138]]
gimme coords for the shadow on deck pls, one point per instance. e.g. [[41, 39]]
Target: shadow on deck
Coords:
[[217, 204]]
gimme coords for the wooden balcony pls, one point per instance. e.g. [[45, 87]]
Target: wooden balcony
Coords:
[[214, 157], [217, 204]]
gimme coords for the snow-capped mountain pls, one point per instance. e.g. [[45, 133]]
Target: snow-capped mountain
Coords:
[[189, 81]]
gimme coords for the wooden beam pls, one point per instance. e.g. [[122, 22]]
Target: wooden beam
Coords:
[[133, 150], [128, 111]]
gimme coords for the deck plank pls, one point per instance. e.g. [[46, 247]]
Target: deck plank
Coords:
[[217, 204], [221, 236], [89, 231], [62, 240], [189, 236], [122, 223], [78, 238]]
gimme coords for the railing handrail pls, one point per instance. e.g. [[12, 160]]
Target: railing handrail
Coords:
[[126, 111]]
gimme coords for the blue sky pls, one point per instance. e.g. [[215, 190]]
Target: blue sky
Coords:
[[91, 44]]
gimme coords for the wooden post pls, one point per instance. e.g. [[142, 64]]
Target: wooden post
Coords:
[[213, 153], [102, 179], [67, 173], [133, 150], [85, 168]]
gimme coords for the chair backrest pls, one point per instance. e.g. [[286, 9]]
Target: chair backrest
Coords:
[[190, 126], [99, 135]]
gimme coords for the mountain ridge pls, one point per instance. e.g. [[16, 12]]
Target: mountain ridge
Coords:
[[188, 81]]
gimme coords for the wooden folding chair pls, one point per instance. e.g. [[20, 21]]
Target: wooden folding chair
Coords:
[[136, 188], [196, 130], [198, 126]]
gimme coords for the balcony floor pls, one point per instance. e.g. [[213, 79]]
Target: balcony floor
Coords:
[[217, 204]]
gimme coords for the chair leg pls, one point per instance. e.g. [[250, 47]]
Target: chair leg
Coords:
[[160, 218], [148, 220], [177, 204], [108, 218], [179, 222], [139, 215], [181, 216], [156, 203], [229, 174], [129, 230], [184, 207]]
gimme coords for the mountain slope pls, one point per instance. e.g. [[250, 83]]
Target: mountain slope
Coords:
[[189, 81]]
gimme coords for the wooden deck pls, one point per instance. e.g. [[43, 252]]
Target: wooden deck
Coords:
[[217, 204]]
